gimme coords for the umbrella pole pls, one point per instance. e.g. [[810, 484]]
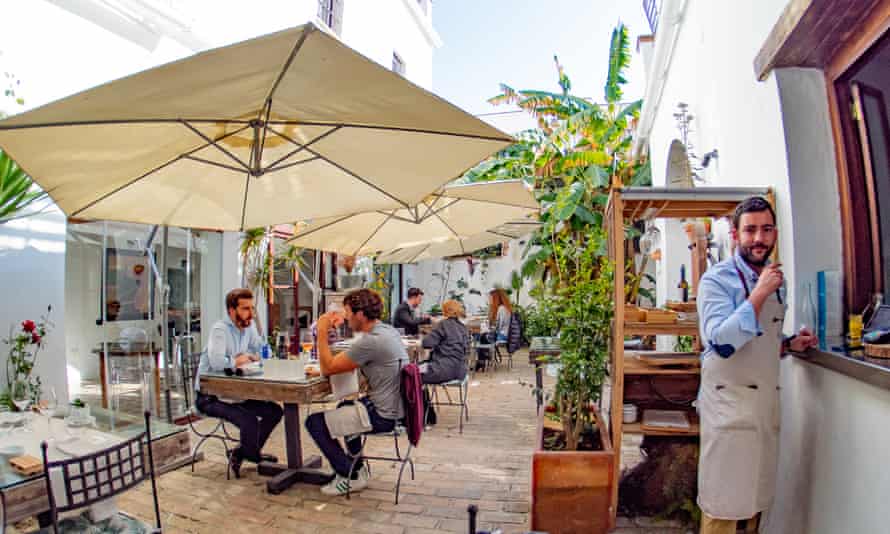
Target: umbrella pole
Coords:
[[165, 326]]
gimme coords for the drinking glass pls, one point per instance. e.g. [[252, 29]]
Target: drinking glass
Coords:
[[22, 399], [855, 330], [49, 410]]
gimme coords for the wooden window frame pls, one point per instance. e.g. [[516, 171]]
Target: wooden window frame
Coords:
[[862, 277]]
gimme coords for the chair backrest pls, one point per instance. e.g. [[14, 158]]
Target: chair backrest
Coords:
[[101, 475], [190, 363]]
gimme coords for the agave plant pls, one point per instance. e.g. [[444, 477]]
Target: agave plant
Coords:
[[17, 190]]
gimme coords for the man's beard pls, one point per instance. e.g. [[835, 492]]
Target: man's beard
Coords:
[[244, 323], [747, 253]]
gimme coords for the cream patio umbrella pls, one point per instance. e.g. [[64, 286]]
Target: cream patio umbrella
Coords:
[[455, 247], [455, 212], [289, 126]]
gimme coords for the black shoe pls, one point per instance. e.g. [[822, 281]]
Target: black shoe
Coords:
[[235, 461], [271, 458]]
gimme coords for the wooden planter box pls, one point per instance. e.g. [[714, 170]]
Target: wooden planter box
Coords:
[[571, 491]]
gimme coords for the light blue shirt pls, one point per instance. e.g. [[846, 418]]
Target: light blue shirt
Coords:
[[225, 342], [727, 318]]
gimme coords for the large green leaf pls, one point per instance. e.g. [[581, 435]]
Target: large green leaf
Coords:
[[619, 59], [567, 201], [17, 190]]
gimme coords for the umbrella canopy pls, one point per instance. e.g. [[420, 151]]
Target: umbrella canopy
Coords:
[[285, 127], [455, 212], [456, 247]]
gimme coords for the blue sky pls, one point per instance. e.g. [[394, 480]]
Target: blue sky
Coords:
[[487, 42]]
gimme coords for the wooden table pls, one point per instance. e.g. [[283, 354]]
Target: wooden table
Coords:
[[22, 497], [291, 394], [542, 347], [136, 350]]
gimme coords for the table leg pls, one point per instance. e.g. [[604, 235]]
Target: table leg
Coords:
[[157, 376], [103, 380], [296, 470], [539, 385]]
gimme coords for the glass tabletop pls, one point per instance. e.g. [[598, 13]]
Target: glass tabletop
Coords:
[[118, 424]]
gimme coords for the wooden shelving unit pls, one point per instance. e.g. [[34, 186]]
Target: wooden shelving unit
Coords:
[[628, 205]]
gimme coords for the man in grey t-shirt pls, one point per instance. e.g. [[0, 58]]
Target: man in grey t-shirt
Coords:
[[380, 355]]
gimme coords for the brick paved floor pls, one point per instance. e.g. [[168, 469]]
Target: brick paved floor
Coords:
[[488, 465]]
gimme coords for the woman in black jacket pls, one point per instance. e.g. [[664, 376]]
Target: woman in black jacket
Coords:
[[449, 344]]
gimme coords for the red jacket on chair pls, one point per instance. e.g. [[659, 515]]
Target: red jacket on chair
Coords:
[[412, 396]]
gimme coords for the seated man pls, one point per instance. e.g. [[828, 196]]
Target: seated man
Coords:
[[235, 342], [380, 354], [404, 317]]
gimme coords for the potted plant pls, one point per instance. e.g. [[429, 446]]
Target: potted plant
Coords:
[[573, 462]]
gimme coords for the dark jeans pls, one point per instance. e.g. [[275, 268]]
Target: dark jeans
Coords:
[[331, 448], [255, 420]]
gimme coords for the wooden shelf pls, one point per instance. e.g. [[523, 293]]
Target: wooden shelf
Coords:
[[633, 366], [680, 328], [646, 203], [637, 428]]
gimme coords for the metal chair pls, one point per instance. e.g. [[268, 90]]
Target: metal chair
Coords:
[[219, 431], [500, 357], [101, 475], [398, 459], [463, 388]]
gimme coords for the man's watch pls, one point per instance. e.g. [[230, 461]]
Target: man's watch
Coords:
[[786, 344]]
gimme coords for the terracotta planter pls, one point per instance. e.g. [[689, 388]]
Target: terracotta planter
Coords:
[[571, 490]]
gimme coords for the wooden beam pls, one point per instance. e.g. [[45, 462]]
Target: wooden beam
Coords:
[[779, 37]]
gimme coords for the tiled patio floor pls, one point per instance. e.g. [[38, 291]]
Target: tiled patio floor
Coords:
[[488, 465]]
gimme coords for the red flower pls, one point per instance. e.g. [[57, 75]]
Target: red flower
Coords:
[[35, 337], [28, 326]]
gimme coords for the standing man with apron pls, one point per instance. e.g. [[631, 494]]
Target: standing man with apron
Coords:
[[741, 307]]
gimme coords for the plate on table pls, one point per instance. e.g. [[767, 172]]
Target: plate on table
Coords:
[[12, 419]]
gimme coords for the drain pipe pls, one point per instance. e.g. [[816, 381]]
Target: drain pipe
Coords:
[[669, 25]]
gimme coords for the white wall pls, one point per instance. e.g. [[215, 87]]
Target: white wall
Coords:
[[483, 280], [32, 268]]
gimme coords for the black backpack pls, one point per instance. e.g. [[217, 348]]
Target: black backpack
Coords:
[[514, 333]]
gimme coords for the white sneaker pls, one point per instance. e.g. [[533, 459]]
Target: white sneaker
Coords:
[[340, 485]]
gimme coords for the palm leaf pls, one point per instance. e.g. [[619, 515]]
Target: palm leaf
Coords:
[[17, 189], [619, 59]]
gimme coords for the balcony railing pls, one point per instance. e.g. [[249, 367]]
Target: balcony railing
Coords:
[[650, 8]]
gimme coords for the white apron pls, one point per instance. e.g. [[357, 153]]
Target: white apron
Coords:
[[738, 403]]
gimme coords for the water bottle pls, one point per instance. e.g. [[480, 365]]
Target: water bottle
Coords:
[[266, 351]]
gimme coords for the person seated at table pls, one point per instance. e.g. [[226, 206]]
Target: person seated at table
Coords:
[[448, 343], [234, 342], [336, 310], [380, 355], [499, 312], [404, 317]]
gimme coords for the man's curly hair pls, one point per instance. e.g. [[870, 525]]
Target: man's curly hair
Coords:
[[366, 301]]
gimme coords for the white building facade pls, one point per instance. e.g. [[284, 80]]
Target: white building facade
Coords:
[[59, 47], [794, 131]]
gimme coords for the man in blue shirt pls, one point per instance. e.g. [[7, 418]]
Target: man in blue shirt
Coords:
[[234, 342], [741, 310]]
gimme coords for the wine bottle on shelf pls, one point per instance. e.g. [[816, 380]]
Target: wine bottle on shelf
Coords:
[[683, 285]]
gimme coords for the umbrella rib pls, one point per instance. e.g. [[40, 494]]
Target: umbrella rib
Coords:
[[508, 236], [289, 165], [345, 170], [271, 166], [376, 230], [446, 206], [107, 122], [424, 249], [268, 111], [152, 171], [450, 228], [397, 217], [215, 145], [322, 227], [214, 163], [290, 60], [507, 204], [397, 129]]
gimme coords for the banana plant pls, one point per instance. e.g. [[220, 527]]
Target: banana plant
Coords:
[[17, 190]]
